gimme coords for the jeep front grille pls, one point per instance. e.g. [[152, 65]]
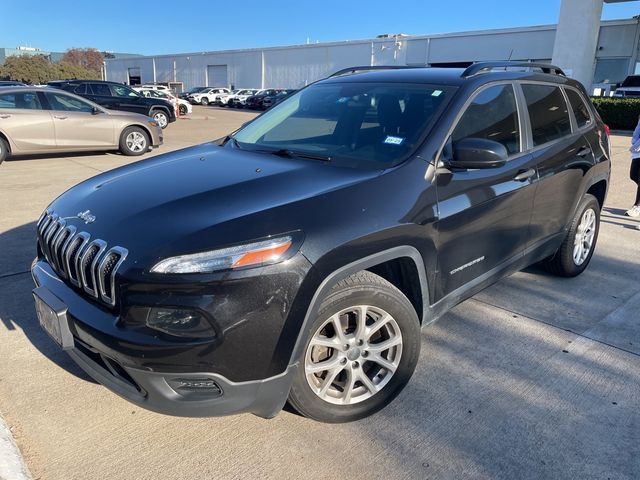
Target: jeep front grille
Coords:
[[85, 263]]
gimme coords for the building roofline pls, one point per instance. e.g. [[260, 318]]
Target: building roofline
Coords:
[[362, 41]]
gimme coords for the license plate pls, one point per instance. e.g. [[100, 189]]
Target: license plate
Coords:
[[52, 315]]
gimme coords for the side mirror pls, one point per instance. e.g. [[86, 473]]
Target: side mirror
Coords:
[[478, 153], [95, 111]]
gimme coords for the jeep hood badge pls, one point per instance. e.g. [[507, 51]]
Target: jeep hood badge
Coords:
[[87, 216]]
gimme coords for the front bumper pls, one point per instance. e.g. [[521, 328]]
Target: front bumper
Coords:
[[145, 374]]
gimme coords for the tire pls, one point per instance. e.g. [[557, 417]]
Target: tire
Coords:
[[161, 117], [345, 304], [576, 250], [204, 101], [4, 150], [183, 110], [134, 141]]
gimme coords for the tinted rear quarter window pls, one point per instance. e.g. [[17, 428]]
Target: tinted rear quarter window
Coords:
[[580, 109], [100, 89], [492, 115], [548, 113]]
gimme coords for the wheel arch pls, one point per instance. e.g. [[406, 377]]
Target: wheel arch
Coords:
[[385, 264], [143, 127], [7, 141], [599, 190]]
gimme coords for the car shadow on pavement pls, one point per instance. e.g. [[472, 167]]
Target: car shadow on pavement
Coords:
[[62, 155], [17, 312]]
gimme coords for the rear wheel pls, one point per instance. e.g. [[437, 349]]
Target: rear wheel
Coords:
[[134, 141], [183, 110], [4, 150], [576, 250], [363, 348], [161, 117]]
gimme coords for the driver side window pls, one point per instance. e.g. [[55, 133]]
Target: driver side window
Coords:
[[492, 115]]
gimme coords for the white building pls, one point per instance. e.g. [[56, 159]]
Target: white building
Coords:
[[610, 54]]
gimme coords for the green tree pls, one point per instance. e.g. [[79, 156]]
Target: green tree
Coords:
[[27, 68], [37, 69]]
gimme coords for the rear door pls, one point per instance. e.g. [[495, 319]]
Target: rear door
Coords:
[[25, 122], [562, 155], [75, 124], [484, 214]]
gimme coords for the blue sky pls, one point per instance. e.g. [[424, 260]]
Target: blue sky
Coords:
[[153, 28]]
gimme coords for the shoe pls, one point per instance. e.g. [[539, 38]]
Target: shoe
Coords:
[[633, 211]]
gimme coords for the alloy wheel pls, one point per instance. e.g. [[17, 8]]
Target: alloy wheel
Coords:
[[585, 234], [161, 118], [136, 142], [353, 355]]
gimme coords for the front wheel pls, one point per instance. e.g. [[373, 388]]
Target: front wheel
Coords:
[[183, 110], [204, 101], [161, 117], [576, 250], [134, 141], [362, 350]]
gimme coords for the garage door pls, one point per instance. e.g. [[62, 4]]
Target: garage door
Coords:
[[217, 76]]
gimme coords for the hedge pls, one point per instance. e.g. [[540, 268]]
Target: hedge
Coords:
[[618, 113]]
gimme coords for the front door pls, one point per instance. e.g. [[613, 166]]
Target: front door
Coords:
[[484, 214], [75, 124]]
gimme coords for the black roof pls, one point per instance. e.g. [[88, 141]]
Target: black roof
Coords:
[[447, 76]]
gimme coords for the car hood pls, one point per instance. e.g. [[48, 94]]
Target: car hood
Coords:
[[177, 202]]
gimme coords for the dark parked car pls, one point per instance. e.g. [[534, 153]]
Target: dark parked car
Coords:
[[188, 93], [117, 96], [11, 83], [271, 100], [299, 257], [256, 102]]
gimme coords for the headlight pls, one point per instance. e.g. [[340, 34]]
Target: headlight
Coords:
[[249, 255]]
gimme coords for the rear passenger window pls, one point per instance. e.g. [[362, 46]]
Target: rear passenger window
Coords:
[[101, 89], [492, 115], [580, 109], [548, 112], [24, 100]]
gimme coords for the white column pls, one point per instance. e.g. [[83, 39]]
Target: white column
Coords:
[[576, 40]]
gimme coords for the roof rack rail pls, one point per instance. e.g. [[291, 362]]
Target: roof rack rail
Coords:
[[484, 67], [346, 71]]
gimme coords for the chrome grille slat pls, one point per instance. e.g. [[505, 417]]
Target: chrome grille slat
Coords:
[[73, 257], [85, 263]]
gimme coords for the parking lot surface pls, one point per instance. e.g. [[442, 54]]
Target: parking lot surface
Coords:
[[535, 377]]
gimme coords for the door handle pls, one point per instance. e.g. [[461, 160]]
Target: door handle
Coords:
[[60, 117], [524, 175], [584, 151], [5, 116]]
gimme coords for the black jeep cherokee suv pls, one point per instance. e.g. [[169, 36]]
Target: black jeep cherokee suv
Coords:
[[297, 258], [116, 96]]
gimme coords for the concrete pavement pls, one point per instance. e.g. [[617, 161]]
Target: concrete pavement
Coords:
[[535, 377]]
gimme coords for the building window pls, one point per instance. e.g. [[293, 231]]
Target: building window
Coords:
[[611, 70]]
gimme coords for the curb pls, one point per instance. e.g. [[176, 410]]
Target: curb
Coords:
[[12, 466]]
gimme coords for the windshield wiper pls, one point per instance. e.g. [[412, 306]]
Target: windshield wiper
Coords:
[[226, 139], [284, 152]]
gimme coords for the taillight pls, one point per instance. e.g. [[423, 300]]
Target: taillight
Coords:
[[607, 130]]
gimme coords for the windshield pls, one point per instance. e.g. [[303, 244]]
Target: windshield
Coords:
[[631, 81], [353, 124]]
